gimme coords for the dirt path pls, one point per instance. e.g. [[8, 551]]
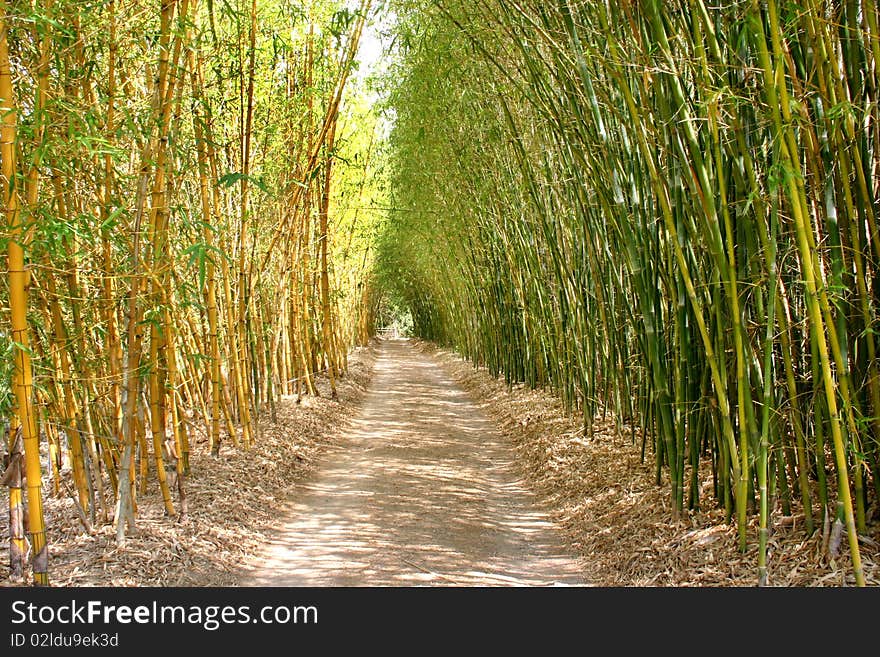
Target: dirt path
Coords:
[[421, 491]]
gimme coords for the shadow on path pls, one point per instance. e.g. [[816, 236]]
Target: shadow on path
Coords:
[[421, 491]]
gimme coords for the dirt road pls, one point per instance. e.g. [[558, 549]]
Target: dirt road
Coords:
[[421, 491]]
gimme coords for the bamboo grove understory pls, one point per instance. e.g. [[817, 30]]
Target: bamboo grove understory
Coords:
[[664, 210], [172, 266]]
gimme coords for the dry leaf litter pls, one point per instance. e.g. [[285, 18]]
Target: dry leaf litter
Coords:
[[620, 522], [598, 490], [234, 501]]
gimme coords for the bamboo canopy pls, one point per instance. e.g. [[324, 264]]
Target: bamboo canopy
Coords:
[[662, 210], [174, 265]]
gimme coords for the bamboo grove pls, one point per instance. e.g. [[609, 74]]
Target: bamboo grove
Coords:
[[169, 195], [666, 210]]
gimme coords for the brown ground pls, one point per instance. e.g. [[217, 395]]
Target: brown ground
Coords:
[[421, 489], [597, 491], [620, 522], [234, 502]]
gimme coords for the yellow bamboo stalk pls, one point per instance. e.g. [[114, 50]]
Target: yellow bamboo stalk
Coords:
[[159, 218], [209, 219], [55, 456], [67, 403], [244, 298], [18, 303], [152, 149], [326, 319], [114, 343]]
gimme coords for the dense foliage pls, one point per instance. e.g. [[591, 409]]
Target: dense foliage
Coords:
[[187, 253], [662, 209]]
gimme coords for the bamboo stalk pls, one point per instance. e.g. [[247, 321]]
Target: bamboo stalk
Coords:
[[18, 302]]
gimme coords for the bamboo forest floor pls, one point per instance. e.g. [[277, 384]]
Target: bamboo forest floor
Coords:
[[421, 490], [427, 471], [620, 522], [234, 501]]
